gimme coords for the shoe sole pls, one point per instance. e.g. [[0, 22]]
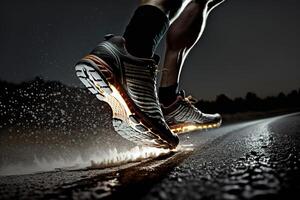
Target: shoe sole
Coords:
[[190, 127], [97, 76]]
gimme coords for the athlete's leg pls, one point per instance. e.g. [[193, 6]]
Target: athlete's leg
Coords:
[[182, 35], [148, 25]]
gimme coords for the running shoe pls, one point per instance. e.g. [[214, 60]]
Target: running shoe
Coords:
[[128, 85], [182, 116]]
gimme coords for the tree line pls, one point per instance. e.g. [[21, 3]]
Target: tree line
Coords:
[[251, 102]]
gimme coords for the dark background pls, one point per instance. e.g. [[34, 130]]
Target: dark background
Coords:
[[247, 45]]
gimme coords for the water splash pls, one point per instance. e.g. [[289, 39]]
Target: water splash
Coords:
[[133, 155], [98, 159]]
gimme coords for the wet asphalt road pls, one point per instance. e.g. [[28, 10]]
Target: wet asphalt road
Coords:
[[251, 160]]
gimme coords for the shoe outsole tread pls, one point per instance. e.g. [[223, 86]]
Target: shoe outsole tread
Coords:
[[124, 120]]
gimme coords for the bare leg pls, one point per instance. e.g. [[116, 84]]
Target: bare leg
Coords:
[[182, 36]]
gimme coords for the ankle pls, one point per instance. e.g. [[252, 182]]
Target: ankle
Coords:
[[167, 95]]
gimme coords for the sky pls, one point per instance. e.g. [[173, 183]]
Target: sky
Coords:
[[247, 45]]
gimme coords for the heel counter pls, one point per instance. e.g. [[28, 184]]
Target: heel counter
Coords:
[[106, 53]]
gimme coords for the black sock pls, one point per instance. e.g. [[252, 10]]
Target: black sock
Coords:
[[145, 30], [167, 95]]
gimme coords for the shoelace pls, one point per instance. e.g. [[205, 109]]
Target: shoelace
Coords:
[[190, 99]]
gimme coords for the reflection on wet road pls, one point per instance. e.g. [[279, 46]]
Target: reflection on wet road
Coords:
[[252, 160]]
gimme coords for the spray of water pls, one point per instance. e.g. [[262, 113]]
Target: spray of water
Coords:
[[98, 159], [133, 155]]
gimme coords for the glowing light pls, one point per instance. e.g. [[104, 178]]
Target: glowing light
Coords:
[[118, 101], [193, 127], [189, 128]]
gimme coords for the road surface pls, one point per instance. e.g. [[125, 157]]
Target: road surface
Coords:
[[251, 160]]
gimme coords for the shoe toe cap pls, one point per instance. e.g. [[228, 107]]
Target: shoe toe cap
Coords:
[[174, 141], [168, 135]]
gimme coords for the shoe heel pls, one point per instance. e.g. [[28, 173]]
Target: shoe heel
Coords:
[[93, 79]]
